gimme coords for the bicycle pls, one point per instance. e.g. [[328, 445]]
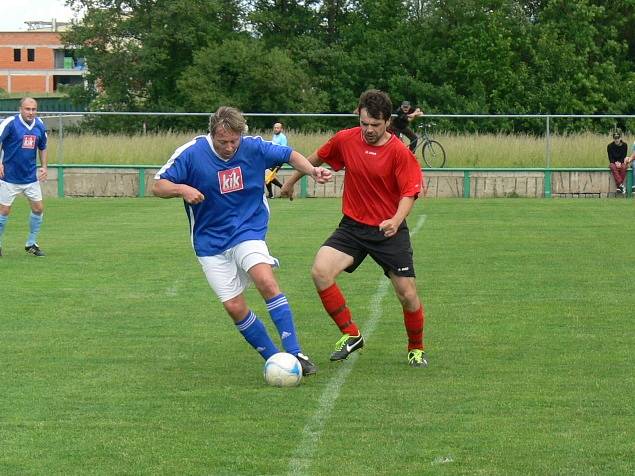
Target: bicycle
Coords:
[[430, 150]]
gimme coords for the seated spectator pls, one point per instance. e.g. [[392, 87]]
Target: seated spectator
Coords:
[[617, 152]]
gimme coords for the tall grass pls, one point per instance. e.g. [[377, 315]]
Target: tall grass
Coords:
[[463, 150]]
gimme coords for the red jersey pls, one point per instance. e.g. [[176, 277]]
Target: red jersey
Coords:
[[376, 178]]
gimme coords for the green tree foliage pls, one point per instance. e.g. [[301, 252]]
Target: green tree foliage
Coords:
[[137, 49], [283, 56], [242, 73]]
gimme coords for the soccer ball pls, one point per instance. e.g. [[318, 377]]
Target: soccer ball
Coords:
[[283, 370]]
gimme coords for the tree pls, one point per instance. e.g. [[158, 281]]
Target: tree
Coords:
[[137, 49], [242, 73]]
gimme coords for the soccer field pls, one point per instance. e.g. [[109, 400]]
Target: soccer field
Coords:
[[117, 359]]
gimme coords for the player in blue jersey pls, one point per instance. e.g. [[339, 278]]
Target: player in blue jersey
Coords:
[[219, 178], [21, 136]]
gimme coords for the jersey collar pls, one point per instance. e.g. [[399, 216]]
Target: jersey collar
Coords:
[[26, 124]]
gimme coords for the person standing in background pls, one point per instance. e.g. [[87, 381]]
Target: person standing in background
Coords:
[[21, 137], [279, 138]]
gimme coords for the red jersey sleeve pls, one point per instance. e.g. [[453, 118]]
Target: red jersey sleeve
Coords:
[[409, 174], [331, 152]]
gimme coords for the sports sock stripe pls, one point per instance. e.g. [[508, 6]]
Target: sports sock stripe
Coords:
[[278, 301], [249, 320]]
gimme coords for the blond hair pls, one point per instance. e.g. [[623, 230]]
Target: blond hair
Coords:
[[229, 118]]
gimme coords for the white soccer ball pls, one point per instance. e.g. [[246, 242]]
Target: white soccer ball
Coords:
[[283, 370]]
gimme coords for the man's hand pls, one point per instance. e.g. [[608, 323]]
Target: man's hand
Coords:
[[1, 170], [43, 174], [389, 227], [322, 175], [191, 195], [416, 113], [286, 191]]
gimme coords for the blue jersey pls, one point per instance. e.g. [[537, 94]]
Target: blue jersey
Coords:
[[235, 209], [20, 142], [279, 139]]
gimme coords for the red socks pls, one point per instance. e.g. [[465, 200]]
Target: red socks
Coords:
[[414, 322], [335, 305]]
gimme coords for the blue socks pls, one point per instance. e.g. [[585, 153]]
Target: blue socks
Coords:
[[3, 222], [282, 317], [35, 222], [255, 332]]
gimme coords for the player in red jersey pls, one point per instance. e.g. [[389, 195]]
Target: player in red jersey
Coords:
[[381, 183]]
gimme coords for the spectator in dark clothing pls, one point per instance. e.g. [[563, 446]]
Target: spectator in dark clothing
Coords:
[[401, 123], [617, 152]]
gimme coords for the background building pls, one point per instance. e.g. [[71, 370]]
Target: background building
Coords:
[[36, 61]]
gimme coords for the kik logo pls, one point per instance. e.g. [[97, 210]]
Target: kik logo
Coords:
[[28, 142], [230, 180]]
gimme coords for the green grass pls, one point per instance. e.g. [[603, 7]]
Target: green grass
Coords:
[[465, 150], [116, 358]]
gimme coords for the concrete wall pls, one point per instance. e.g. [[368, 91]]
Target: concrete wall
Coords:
[[124, 182]]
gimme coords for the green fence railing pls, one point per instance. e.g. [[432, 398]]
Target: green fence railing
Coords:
[[468, 176]]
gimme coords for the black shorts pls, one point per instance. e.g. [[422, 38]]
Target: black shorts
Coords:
[[393, 254]]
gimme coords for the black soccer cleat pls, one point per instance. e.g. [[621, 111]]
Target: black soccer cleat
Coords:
[[417, 358], [346, 346], [34, 250], [308, 367]]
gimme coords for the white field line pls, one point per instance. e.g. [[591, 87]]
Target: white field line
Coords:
[[303, 455], [173, 290]]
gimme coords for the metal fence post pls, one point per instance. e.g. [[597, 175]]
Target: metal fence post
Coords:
[[466, 183], [60, 181], [142, 182], [547, 183], [60, 146], [548, 145], [303, 187]]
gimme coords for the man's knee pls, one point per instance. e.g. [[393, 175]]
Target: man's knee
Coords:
[[236, 307], [37, 207], [266, 284], [323, 276]]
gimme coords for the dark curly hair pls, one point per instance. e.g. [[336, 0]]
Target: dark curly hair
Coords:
[[377, 103]]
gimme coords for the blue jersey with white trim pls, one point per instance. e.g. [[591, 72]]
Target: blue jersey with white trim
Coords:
[[235, 208], [20, 142]]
